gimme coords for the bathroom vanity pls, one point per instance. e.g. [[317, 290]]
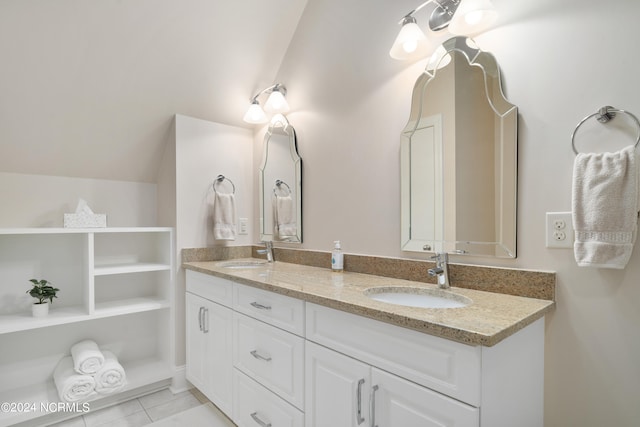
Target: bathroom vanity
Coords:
[[308, 347]]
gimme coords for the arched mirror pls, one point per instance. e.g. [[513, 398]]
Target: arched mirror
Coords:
[[459, 158], [281, 184]]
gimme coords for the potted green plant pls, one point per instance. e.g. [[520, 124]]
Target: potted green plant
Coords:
[[42, 291]]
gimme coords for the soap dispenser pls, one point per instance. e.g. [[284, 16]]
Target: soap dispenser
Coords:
[[337, 257]]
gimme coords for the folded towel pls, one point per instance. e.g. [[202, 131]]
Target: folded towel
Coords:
[[71, 386], [283, 214], [605, 208], [87, 357], [111, 377], [224, 217]]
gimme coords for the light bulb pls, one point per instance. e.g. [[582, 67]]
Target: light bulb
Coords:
[[472, 17], [410, 46], [255, 114], [410, 42], [276, 103]]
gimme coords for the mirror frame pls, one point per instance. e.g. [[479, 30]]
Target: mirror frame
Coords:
[[507, 124], [280, 126]]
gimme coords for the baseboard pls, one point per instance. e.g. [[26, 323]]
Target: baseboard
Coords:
[[179, 382]]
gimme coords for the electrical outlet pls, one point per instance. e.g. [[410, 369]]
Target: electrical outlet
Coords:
[[243, 226], [559, 230]]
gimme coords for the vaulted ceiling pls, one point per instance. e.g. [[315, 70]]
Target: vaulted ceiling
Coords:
[[89, 88]]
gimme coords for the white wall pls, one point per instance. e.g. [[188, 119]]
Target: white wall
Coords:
[[41, 201], [561, 61], [203, 150], [89, 88]]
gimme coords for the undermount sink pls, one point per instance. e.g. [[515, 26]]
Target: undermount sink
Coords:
[[244, 264], [417, 297]]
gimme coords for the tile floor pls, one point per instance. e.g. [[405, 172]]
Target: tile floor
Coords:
[[138, 412]]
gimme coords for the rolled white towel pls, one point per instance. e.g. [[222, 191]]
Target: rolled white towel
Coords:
[[71, 386], [87, 357], [111, 377]]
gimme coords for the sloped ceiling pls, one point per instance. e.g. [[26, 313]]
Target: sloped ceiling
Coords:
[[89, 88]]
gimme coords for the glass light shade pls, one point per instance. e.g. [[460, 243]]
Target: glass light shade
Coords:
[[472, 17], [410, 43], [255, 114], [276, 103]]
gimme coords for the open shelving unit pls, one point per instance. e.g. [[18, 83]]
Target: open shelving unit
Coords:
[[116, 287]]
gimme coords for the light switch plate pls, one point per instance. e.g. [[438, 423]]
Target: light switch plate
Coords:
[[559, 230], [243, 227]]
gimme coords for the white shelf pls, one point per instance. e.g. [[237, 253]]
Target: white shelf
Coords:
[[105, 270], [57, 316], [60, 230], [104, 275], [128, 306], [25, 321], [139, 373]]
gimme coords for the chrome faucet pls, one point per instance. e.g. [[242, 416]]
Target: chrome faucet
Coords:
[[268, 250], [441, 270]]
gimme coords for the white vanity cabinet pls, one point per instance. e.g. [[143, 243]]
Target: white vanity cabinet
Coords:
[[209, 337], [337, 388], [347, 392], [116, 288], [268, 358], [271, 356], [245, 350], [389, 376], [299, 364]]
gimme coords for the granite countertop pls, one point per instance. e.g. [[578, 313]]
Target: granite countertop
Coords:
[[491, 317]]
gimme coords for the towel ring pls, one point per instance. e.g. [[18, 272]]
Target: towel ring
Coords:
[[219, 180], [603, 115], [279, 184]]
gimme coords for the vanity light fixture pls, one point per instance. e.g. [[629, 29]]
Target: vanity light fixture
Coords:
[[461, 17], [472, 17], [276, 103]]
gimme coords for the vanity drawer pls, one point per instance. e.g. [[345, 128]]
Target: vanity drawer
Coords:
[[272, 357], [278, 310], [255, 406], [448, 367], [213, 288]]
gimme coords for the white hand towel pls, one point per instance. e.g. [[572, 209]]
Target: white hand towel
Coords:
[[285, 222], [71, 386], [111, 377], [224, 217], [605, 208], [87, 357]]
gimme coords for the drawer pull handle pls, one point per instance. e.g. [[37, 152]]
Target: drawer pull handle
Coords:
[[205, 320], [200, 318], [258, 356], [260, 306], [257, 419], [360, 419], [372, 406]]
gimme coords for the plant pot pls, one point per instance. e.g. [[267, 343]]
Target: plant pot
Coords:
[[40, 310]]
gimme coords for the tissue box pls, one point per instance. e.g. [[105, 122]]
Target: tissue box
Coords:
[[83, 220]]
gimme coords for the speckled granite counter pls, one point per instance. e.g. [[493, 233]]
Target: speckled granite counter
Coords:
[[491, 317]]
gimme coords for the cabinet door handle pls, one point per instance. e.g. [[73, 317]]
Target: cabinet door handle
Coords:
[[258, 356], [372, 406], [205, 320], [360, 419], [200, 318], [260, 306], [259, 421]]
